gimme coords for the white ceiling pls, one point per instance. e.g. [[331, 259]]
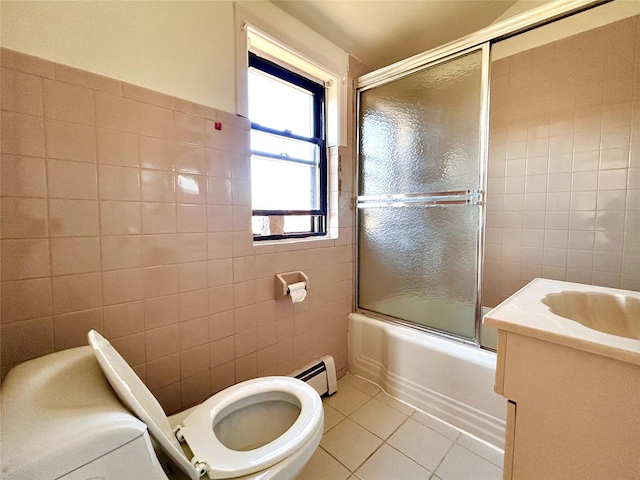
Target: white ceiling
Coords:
[[381, 32]]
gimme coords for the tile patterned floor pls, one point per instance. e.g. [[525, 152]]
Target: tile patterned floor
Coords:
[[369, 435]]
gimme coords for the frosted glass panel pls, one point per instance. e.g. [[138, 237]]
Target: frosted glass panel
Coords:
[[420, 264], [421, 133]]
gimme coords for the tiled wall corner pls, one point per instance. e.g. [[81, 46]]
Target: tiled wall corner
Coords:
[[564, 160], [126, 211]]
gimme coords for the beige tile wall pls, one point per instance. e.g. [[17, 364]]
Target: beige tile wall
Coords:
[[126, 211], [564, 163]]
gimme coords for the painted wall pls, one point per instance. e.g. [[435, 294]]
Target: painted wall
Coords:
[[521, 6], [185, 49]]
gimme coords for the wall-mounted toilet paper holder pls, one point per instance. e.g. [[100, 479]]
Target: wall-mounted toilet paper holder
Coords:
[[283, 280]]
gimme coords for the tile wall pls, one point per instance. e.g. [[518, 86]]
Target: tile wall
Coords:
[[125, 210], [564, 163]]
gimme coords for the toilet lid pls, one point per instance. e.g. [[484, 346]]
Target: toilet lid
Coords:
[[223, 462], [137, 397]]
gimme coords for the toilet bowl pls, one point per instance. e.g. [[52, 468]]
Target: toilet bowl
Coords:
[[262, 428]]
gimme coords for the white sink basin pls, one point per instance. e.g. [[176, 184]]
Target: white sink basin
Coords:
[[599, 320], [614, 314]]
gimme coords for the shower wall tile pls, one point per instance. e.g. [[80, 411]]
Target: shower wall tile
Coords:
[[124, 210], [83, 78], [25, 258], [63, 101], [116, 113], [124, 319], [70, 141], [74, 218], [24, 299], [23, 176], [72, 180], [566, 127], [21, 92], [22, 134], [70, 330], [24, 218]]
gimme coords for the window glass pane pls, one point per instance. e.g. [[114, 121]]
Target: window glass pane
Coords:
[[267, 143], [279, 105], [283, 185]]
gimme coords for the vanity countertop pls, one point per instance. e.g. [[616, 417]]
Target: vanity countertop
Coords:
[[526, 313]]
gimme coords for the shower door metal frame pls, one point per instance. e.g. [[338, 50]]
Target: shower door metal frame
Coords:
[[482, 39], [432, 200]]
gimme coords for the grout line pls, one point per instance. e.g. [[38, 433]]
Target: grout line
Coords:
[[407, 456], [384, 441], [478, 455], [329, 453], [398, 428], [368, 457], [442, 459], [48, 200]]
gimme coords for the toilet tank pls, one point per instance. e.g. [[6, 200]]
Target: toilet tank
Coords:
[[60, 418]]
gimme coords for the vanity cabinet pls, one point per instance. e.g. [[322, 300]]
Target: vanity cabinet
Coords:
[[572, 414]]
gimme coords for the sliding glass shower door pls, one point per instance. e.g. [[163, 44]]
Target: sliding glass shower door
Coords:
[[420, 194]]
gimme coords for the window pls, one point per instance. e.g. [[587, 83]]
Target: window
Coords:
[[288, 152]]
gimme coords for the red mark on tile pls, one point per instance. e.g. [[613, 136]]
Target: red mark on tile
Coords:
[[218, 125]]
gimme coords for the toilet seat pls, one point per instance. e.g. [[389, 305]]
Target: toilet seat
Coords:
[[223, 462], [211, 457]]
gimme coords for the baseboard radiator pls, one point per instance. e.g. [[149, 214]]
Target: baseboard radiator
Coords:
[[321, 375]]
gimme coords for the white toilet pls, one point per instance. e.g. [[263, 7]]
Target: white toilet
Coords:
[[60, 420]]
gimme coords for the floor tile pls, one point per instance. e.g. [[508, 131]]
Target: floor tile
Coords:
[[436, 424], [363, 385], [461, 464], [378, 418], [350, 443], [395, 403], [324, 466], [485, 450], [425, 446], [331, 417], [347, 399], [388, 463]]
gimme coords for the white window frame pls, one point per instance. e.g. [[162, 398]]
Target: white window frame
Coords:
[[256, 32]]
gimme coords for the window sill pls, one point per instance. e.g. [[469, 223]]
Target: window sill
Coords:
[[286, 241]]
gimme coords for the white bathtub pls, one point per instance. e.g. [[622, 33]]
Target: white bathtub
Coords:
[[449, 380]]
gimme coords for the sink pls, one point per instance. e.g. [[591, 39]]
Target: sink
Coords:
[[568, 363], [609, 313], [600, 320]]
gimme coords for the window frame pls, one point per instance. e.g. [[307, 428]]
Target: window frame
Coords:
[[318, 220]]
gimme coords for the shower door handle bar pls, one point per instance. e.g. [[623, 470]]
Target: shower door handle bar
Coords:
[[462, 197]]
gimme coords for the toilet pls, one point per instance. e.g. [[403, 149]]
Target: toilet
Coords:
[[61, 420]]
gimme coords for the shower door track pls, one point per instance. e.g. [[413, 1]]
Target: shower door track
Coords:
[[521, 23], [417, 326]]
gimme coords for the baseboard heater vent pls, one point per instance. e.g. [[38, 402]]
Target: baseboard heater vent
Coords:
[[321, 375]]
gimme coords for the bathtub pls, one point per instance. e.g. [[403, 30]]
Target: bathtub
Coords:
[[449, 380]]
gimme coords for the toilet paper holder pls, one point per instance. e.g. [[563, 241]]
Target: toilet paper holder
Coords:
[[283, 280]]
